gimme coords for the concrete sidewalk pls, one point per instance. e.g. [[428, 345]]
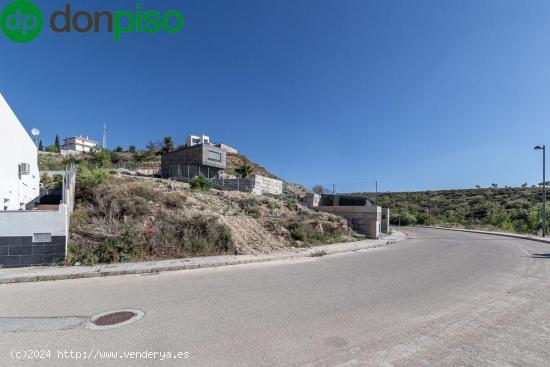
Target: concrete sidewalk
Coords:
[[504, 234], [36, 274]]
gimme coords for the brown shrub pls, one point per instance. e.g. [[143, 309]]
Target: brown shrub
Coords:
[[174, 200]]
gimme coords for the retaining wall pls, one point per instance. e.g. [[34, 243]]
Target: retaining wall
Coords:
[[33, 237], [256, 184], [365, 219], [266, 185]]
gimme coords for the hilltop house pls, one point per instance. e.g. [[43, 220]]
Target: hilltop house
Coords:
[[193, 140], [19, 177], [77, 144], [190, 161]]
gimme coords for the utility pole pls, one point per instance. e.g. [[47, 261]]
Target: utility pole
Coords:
[[544, 191], [429, 208], [376, 196], [543, 148], [104, 143]]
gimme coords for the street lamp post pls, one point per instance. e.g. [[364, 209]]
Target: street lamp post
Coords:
[[543, 148]]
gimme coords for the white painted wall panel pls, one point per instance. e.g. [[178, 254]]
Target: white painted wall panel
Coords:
[[16, 146], [28, 222]]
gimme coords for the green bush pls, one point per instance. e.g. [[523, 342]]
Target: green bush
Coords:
[[51, 182], [510, 209], [270, 204], [200, 182], [298, 231], [88, 179], [404, 219], [250, 206], [198, 236], [52, 149], [121, 248], [133, 206], [102, 158], [291, 203], [315, 233], [244, 170]]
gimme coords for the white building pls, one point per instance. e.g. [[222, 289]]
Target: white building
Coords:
[[196, 140], [19, 176], [227, 148], [78, 144], [203, 139]]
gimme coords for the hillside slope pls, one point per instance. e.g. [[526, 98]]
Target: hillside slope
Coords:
[[148, 161], [511, 209], [131, 219]]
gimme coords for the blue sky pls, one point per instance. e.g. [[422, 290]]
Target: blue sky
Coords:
[[415, 94]]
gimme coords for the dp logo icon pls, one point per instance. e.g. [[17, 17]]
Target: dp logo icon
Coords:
[[21, 21]]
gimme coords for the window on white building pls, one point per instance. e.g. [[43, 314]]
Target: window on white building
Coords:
[[24, 169], [214, 156]]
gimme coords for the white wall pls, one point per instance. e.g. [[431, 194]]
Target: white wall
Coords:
[[16, 146], [203, 140], [266, 185], [28, 222]]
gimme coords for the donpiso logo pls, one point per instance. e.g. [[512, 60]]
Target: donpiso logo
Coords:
[[21, 21]]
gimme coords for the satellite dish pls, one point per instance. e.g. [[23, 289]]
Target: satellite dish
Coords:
[[35, 132]]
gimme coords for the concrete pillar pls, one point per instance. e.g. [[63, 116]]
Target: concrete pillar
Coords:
[[385, 220]]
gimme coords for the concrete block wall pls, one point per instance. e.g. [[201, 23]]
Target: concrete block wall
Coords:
[[266, 185], [365, 219], [256, 184], [311, 200], [33, 237]]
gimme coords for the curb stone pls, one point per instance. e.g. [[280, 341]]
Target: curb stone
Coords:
[[502, 234], [38, 274]]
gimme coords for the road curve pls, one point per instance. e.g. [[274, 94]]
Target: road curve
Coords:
[[438, 298]]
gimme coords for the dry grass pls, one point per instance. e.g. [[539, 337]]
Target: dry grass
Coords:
[[133, 219]]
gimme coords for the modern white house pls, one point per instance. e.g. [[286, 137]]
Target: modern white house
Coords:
[[77, 145], [193, 140], [19, 176], [227, 148]]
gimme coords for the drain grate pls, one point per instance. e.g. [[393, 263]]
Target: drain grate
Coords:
[[114, 318]]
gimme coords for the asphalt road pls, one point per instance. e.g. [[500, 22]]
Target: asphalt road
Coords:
[[439, 298]]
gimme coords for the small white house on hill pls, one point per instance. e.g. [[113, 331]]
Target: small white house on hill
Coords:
[[77, 145], [19, 176]]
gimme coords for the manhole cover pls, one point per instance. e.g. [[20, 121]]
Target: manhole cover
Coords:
[[114, 319]]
